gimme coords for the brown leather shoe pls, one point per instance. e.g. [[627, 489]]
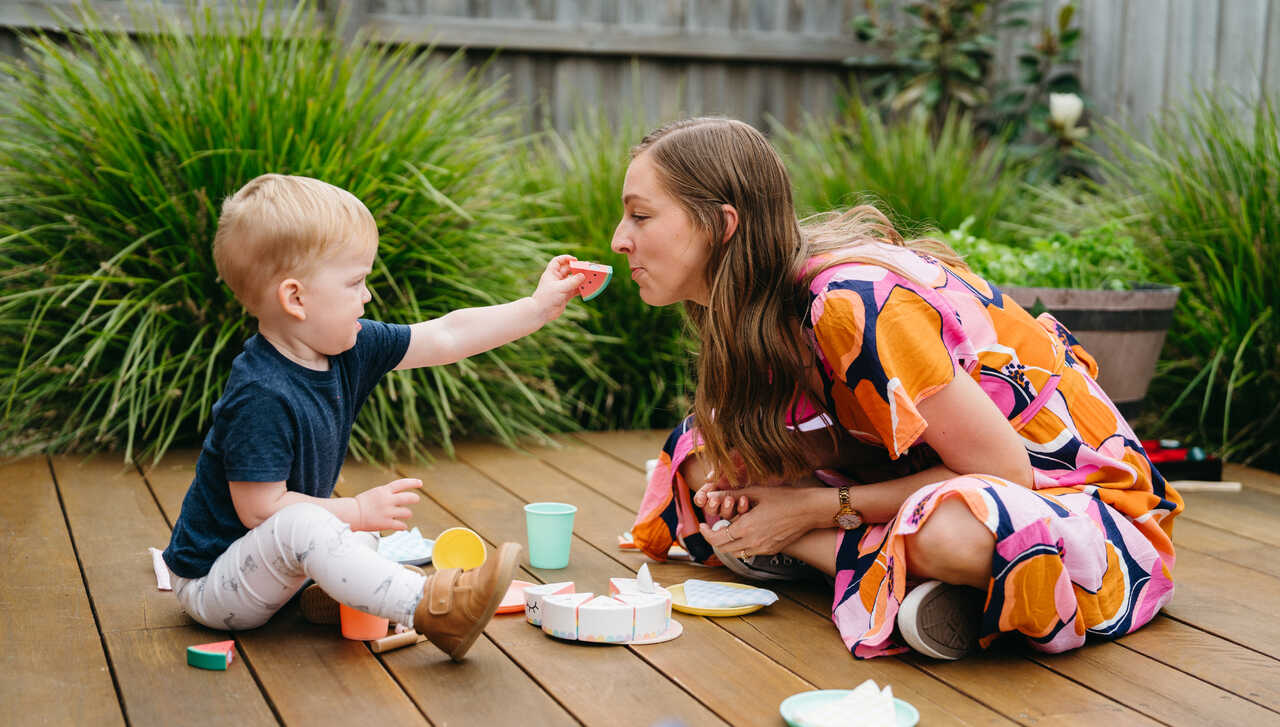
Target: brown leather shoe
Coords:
[[319, 607], [457, 605]]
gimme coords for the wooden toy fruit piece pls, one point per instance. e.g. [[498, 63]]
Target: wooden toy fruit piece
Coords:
[[597, 277], [215, 655]]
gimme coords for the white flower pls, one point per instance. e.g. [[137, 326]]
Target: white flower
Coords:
[[1065, 109]]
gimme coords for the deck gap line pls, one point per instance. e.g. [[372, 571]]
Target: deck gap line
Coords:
[[607, 452], [1224, 637], [403, 688], [244, 655], [683, 688], [900, 658], [623, 505], [1221, 529], [1104, 695], [534, 678], [1267, 707], [155, 498], [84, 581], [1221, 559]]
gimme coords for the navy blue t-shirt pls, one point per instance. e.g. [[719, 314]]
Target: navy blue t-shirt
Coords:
[[276, 420]]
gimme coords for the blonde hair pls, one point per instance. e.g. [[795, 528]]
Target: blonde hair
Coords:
[[752, 359], [279, 225]]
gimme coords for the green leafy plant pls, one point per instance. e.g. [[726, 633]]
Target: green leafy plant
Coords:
[[942, 60], [1101, 258], [1201, 197], [924, 178], [117, 151], [643, 352]]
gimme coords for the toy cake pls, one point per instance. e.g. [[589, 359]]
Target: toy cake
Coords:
[[637, 609]]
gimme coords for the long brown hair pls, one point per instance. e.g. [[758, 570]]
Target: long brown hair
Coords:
[[752, 359]]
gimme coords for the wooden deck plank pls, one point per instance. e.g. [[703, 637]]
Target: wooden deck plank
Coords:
[[1250, 512], [159, 688], [1162, 693], [741, 695], [311, 674], [53, 660], [1244, 552], [601, 519], [1252, 477], [620, 683], [1228, 600], [1244, 672], [114, 519], [446, 692], [631, 446]]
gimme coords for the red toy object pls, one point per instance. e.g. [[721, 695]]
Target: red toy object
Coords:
[[1176, 462], [598, 276]]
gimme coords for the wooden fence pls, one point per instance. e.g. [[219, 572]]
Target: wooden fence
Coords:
[[780, 59]]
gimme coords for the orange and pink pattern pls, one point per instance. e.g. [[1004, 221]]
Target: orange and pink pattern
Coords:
[[1087, 552]]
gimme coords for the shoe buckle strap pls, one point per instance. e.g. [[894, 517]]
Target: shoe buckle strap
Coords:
[[440, 594]]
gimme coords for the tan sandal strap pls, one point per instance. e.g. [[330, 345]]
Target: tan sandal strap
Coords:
[[440, 592]]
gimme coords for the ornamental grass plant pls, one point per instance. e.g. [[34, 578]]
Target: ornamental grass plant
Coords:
[[117, 152], [923, 178], [644, 353], [1201, 196]]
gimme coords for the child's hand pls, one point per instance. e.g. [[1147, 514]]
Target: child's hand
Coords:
[[385, 507], [716, 498], [557, 286]]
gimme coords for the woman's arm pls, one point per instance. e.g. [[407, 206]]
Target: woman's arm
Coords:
[[965, 428]]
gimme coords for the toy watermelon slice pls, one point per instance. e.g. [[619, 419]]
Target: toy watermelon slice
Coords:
[[215, 655], [598, 277]]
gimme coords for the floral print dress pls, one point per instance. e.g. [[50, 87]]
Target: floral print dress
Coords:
[[1088, 551]]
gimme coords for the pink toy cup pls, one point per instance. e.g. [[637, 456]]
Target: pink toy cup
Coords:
[[361, 626]]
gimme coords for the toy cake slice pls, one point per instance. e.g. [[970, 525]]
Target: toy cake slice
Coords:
[[652, 613], [534, 595], [606, 620], [215, 655], [560, 614]]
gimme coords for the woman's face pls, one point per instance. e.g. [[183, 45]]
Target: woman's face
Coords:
[[666, 253]]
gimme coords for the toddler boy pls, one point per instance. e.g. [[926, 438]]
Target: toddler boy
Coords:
[[258, 520]]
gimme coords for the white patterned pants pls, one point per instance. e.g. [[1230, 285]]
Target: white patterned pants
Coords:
[[261, 571]]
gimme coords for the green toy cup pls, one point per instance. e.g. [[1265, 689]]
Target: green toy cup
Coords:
[[550, 529]]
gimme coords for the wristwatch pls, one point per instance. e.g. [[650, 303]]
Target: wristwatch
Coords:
[[847, 518]]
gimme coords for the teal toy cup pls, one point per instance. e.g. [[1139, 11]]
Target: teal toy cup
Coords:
[[549, 526]]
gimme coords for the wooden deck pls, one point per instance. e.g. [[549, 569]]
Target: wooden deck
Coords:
[[89, 640]]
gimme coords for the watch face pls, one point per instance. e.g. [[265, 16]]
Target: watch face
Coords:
[[848, 520]]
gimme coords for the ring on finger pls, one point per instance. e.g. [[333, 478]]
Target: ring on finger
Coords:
[[743, 555]]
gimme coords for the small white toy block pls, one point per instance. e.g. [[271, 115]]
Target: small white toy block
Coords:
[[560, 613], [533, 596], [606, 620], [652, 613]]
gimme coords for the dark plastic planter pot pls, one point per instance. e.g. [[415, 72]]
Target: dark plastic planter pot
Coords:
[[1123, 329]]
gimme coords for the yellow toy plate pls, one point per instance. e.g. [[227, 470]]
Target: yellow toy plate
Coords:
[[678, 603], [458, 548]]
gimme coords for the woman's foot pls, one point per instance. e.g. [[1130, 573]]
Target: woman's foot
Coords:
[[780, 567], [456, 605], [941, 620]]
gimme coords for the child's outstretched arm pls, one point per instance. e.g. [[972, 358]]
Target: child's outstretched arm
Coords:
[[384, 507], [468, 331]]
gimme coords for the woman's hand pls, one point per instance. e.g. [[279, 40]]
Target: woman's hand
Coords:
[[778, 516]]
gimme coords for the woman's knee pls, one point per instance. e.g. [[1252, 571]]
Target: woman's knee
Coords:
[[952, 545]]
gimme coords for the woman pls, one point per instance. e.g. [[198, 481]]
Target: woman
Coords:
[[1021, 501]]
